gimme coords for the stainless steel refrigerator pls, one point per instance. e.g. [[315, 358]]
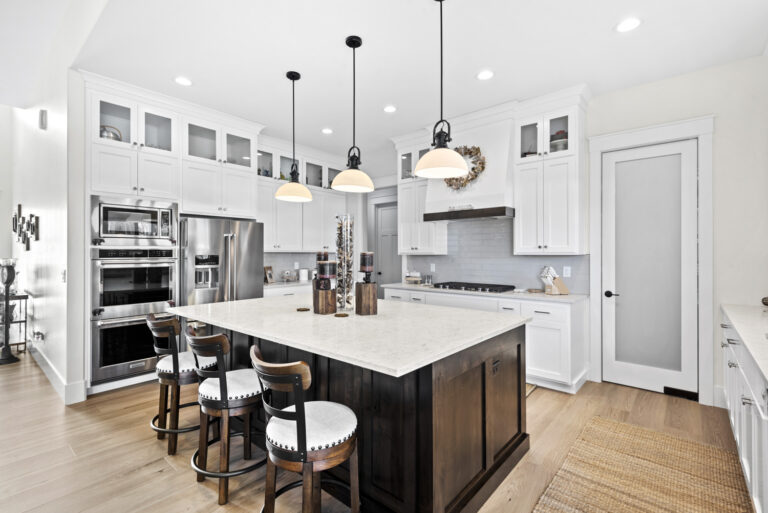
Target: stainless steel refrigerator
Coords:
[[220, 260]]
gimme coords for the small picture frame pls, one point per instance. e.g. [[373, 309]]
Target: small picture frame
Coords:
[[269, 276]]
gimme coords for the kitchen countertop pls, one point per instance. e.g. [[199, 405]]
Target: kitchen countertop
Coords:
[[281, 284], [525, 296], [400, 339], [751, 323]]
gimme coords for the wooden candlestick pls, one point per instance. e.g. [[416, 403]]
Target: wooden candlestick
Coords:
[[323, 301], [366, 298]]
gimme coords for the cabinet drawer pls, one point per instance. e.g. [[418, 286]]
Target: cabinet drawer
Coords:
[[397, 295], [509, 306], [545, 312], [418, 297]]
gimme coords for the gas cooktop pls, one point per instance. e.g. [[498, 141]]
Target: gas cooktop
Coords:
[[473, 287]]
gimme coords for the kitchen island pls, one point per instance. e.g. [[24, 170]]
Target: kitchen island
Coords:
[[439, 392]]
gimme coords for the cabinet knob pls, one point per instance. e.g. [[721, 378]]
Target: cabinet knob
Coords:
[[135, 143], [732, 364], [135, 188], [546, 153], [545, 247], [539, 247], [142, 189], [141, 145], [224, 162], [539, 154]]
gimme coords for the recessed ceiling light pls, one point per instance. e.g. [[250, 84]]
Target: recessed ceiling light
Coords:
[[485, 74], [327, 131], [628, 25], [183, 81], [390, 109]]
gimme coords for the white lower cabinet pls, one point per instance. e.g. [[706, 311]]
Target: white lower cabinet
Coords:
[[555, 339], [294, 289], [746, 398]]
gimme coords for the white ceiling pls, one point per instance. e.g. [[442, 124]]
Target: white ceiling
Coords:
[[27, 31], [237, 52]]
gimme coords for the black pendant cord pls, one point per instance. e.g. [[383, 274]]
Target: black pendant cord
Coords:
[[353, 155], [294, 166], [441, 133]]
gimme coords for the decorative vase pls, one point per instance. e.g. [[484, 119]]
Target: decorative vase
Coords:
[[345, 254]]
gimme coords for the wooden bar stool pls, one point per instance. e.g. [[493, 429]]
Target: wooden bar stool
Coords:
[[174, 369], [307, 438], [223, 394]]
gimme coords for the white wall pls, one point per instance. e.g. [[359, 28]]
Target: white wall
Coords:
[[47, 166], [6, 179], [736, 94]]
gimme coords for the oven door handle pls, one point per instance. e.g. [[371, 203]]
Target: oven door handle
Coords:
[[133, 263], [127, 321]]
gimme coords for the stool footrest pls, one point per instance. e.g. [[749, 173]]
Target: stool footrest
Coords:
[[232, 473], [154, 426]]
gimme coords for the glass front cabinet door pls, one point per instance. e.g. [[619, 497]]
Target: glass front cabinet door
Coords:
[[114, 121], [313, 174], [560, 133], [157, 131], [528, 135], [201, 142], [237, 149]]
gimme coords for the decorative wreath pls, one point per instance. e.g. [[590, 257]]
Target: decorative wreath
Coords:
[[478, 166]]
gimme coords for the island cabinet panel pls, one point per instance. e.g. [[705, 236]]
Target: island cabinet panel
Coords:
[[437, 440]]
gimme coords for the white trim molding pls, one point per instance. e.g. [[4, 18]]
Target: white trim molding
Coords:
[[700, 129]]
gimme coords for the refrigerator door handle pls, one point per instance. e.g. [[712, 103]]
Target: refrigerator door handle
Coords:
[[183, 235], [228, 270], [233, 254]]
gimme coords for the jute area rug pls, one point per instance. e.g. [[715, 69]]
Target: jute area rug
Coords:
[[620, 468]]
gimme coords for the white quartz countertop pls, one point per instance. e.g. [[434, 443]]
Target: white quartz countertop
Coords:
[[524, 296], [751, 323], [402, 338]]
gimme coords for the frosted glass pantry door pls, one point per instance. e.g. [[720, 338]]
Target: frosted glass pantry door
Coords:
[[650, 267]]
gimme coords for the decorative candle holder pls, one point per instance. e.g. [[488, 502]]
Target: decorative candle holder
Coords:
[[324, 288], [366, 293], [345, 252]]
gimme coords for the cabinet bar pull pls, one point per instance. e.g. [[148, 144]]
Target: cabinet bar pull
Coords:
[[732, 341], [725, 326], [507, 308], [732, 364], [541, 312], [746, 401], [396, 297], [723, 344]]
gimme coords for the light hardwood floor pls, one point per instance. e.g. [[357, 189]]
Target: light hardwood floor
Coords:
[[101, 455]]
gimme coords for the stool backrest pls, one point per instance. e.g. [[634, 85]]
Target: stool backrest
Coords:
[[293, 377], [164, 338], [212, 345]]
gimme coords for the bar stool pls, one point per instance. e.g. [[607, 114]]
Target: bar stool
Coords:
[[223, 394], [174, 369], [307, 438]]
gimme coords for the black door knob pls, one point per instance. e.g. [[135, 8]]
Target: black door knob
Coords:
[[379, 273], [608, 293]]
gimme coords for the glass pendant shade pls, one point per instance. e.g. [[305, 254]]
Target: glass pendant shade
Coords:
[[294, 192], [352, 180], [441, 163]]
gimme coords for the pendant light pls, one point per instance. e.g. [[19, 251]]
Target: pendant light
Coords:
[[352, 179], [293, 190], [442, 162]]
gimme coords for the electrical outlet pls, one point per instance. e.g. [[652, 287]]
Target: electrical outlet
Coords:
[[431, 268], [566, 271], [295, 265]]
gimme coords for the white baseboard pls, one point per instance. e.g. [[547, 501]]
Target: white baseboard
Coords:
[[560, 387], [719, 396], [70, 393], [113, 385]]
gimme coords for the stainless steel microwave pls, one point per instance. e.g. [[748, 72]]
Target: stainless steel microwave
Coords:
[[132, 222]]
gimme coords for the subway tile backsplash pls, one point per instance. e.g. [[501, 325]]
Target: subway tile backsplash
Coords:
[[481, 251], [284, 261]]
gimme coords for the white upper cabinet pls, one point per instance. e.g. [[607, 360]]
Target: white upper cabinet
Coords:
[[201, 189], [134, 148], [265, 211], [550, 135], [313, 222], [550, 184], [415, 236], [407, 160], [334, 204], [238, 194], [202, 141]]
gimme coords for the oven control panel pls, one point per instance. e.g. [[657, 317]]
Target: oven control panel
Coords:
[[135, 253]]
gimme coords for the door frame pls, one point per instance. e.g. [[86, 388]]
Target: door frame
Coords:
[[700, 129]]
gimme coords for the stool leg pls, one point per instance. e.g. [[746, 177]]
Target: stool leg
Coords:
[[202, 450], [306, 496], [316, 492], [270, 486], [224, 457], [173, 437], [354, 482], [247, 437], [162, 409]]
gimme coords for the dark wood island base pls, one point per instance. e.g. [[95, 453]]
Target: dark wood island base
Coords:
[[439, 439]]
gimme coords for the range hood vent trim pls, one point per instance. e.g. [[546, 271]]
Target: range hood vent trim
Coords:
[[471, 213]]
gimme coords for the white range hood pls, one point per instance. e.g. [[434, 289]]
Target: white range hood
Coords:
[[490, 195]]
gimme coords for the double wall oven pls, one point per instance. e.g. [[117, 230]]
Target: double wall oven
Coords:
[[134, 264]]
